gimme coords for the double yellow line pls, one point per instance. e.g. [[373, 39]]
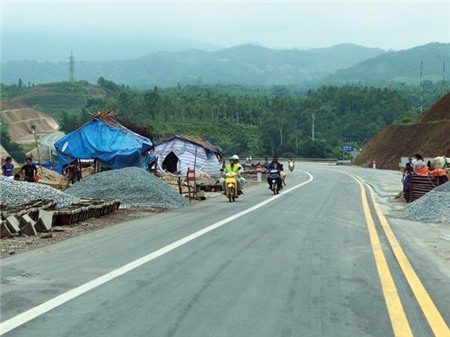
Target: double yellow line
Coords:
[[396, 312]]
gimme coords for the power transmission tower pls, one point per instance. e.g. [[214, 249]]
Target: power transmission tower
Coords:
[[421, 87], [71, 66]]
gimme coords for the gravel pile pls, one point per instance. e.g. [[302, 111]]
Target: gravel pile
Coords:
[[21, 192], [133, 186], [432, 207]]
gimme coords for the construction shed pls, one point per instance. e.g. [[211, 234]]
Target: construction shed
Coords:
[[108, 141], [178, 153]]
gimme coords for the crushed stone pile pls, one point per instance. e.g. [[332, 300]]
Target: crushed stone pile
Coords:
[[133, 186], [22, 192], [432, 207]]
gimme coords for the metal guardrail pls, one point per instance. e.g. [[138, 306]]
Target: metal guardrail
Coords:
[[297, 160]]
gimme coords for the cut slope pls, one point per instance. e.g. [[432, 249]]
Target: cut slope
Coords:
[[20, 118], [430, 137]]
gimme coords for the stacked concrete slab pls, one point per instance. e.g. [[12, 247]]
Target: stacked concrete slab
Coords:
[[38, 217], [86, 209]]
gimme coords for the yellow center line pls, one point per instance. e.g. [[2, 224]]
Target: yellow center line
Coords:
[[399, 322], [432, 314]]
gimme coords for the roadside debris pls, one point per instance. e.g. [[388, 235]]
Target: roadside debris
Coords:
[[21, 192], [133, 186], [434, 206]]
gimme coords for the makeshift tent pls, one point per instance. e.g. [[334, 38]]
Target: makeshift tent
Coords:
[[105, 139], [178, 153]]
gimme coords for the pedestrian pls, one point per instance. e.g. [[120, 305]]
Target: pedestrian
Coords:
[[406, 180], [419, 165], [73, 173], [29, 170], [408, 168], [7, 167]]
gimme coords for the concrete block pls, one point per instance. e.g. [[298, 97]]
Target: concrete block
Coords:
[[13, 224], [4, 230], [45, 221], [25, 220], [28, 230], [201, 195]]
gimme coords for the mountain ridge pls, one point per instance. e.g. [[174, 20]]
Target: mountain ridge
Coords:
[[248, 65], [244, 64]]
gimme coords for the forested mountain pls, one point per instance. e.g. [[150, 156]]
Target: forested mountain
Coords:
[[256, 121], [402, 67], [245, 65]]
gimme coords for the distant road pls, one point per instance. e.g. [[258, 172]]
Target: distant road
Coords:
[[50, 139]]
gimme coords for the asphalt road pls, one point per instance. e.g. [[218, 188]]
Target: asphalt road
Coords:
[[320, 259], [50, 139]]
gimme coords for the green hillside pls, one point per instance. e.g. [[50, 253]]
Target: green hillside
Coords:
[[249, 120], [398, 67], [54, 99]]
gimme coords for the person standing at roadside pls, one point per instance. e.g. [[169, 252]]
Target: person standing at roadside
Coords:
[[408, 169], [419, 165], [7, 168], [29, 170]]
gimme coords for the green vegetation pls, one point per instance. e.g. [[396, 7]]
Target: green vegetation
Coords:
[[54, 99], [397, 68], [262, 121], [248, 120], [14, 149]]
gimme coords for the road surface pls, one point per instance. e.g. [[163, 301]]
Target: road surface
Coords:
[[318, 260]]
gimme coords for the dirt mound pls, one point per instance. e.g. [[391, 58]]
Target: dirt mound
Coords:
[[430, 137], [20, 118], [439, 111]]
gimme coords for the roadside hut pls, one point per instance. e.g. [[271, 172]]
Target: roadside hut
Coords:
[[106, 140], [178, 153]]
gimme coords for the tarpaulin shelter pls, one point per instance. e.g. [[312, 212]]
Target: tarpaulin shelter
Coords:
[[178, 153], [104, 139]]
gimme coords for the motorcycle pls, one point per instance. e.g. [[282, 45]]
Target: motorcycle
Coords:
[[291, 166], [231, 190], [275, 181]]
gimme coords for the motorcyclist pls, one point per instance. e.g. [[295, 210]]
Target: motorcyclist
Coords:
[[291, 164], [235, 167], [275, 165]]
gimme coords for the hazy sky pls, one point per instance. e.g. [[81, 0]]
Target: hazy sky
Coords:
[[275, 24]]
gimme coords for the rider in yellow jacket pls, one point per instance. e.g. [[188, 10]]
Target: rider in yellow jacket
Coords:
[[235, 167]]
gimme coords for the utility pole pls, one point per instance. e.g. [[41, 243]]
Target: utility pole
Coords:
[[443, 73], [313, 121], [33, 130], [421, 87], [71, 66]]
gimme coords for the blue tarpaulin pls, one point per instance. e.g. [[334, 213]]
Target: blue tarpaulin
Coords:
[[115, 147]]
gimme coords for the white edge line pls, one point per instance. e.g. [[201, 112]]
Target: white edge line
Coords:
[[45, 307]]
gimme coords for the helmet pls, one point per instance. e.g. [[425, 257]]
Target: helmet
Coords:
[[236, 157], [231, 158]]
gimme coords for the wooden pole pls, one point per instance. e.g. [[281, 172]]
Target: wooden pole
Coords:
[[37, 147]]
